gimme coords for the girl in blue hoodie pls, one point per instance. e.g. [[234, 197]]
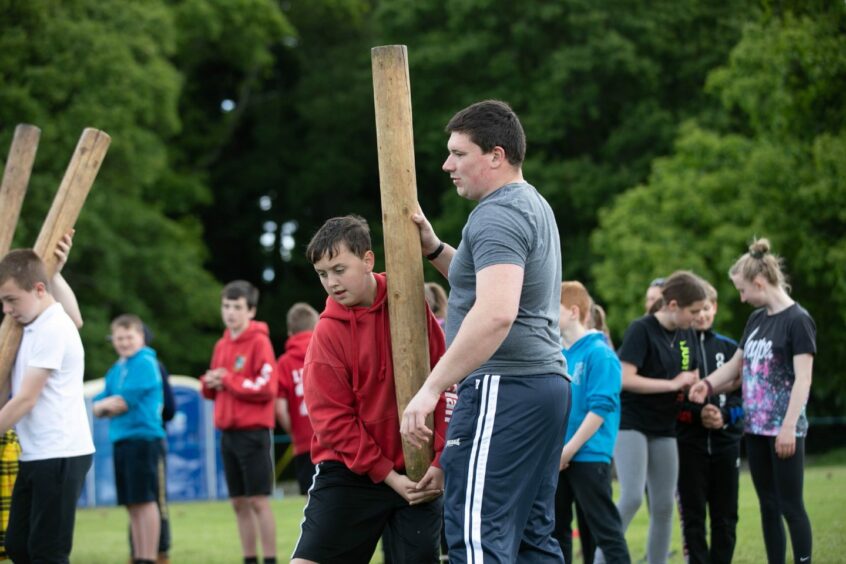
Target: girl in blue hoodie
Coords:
[[591, 432]]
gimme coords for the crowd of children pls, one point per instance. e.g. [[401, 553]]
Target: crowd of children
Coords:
[[533, 410]]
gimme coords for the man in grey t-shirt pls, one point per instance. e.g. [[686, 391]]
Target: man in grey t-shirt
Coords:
[[506, 433]]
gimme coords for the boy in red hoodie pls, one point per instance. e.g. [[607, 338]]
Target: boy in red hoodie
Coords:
[[242, 383], [291, 411], [360, 488]]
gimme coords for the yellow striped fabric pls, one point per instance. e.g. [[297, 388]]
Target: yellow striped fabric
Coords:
[[10, 451]]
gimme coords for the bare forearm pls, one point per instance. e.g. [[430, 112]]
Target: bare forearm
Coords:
[[642, 385], [63, 294], [13, 411], [592, 422], [444, 259], [726, 377], [282, 415], [798, 395], [477, 340]]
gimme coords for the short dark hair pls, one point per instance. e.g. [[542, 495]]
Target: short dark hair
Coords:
[[489, 124], [684, 287], [241, 289], [301, 317], [128, 321], [351, 230], [25, 267]]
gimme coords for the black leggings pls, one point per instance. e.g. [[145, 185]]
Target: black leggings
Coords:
[[778, 482]]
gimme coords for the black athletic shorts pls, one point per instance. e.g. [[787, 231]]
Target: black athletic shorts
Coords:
[[137, 470], [248, 461], [304, 470], [346, 514]]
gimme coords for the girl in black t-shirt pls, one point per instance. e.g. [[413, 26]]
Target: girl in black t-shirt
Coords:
[[659, 362], [775, 361]]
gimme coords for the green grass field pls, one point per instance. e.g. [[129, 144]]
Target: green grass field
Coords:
[[205, 532]]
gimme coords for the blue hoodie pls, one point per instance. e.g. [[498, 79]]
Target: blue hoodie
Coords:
[[138, 381], [597, 380]]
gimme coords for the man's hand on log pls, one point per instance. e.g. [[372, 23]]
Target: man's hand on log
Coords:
[[428, 240], [413, 426]]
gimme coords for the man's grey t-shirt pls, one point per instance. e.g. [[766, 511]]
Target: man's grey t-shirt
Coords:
[[513, 225]]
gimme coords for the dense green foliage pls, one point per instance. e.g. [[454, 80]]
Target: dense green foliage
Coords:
[[774, 165], [113, 65], [694, 125]]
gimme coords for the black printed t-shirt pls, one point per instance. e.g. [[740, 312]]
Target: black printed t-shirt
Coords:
[[769, 344], [661, 354]]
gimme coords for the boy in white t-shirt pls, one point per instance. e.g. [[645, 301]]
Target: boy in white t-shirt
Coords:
[[47, 407]]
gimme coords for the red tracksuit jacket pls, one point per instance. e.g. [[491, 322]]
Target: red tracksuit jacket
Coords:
[[349, 388], [249, 385], [289, 370]]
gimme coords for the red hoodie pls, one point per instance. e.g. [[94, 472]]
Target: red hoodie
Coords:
[[349, 388], [249, 385], [289, 370]]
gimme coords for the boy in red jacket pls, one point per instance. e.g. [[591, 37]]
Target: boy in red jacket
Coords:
[[242, 383], [291, 411], [359, 486]]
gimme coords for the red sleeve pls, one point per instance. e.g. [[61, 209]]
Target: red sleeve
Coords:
[[283, 378], [331, 409], [258, 383], [437, 347]]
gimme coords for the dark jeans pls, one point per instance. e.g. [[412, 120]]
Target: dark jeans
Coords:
[[43, 509], [778, 483], [588, 484], [708, 481]]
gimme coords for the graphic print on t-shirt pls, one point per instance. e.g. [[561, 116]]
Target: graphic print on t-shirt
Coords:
[[766, 386], [769, 344]]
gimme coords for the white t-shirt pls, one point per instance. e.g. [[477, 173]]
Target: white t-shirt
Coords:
[[57, 426]]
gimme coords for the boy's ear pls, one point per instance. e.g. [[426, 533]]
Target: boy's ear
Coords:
[[369, 260], [714, 307], [40, 289], [251, 312]]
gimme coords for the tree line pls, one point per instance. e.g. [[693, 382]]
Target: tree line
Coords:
[[664, 134]]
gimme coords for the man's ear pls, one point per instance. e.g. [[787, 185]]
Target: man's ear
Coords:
[[498, 157]]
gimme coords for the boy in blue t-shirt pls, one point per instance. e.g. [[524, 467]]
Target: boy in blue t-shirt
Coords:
[[591, 432], [133, 399]]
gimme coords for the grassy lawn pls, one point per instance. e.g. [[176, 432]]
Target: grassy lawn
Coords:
[[205, 532]]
